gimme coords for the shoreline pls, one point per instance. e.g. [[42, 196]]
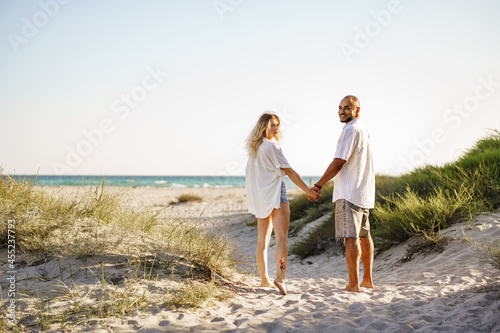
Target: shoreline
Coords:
[[155, 181]]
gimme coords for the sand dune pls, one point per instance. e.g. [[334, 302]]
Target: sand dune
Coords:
[[457, 290]]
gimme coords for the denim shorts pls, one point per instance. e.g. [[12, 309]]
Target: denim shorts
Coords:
[[351, 221], [283, 197]]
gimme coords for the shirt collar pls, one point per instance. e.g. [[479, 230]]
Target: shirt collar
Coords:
[[274, 142], [352, 122]]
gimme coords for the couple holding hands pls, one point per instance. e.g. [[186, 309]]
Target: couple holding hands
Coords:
[[354, 194]]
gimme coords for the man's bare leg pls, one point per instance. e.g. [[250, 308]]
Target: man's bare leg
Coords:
[[352, 256], [367, 250]]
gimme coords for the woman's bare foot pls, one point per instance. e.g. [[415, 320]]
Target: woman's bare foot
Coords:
[[281, 286], [266, 283]]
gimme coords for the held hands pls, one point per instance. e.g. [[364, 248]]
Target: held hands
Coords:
[[315, 193]]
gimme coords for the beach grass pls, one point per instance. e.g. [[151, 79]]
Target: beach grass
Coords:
[[422, 202], [102, 222], [89, 224], [404, 215], [86, 304]]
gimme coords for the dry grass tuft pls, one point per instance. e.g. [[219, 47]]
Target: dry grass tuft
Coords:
[[196, 295], [492, 249], [187, 197]]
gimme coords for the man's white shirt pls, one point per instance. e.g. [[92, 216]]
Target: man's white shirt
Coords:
[[355, 182]]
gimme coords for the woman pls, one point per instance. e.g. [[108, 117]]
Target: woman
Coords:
[[266, 195]]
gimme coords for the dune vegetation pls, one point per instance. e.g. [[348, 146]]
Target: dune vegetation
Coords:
[[137, 258], [422, 202]]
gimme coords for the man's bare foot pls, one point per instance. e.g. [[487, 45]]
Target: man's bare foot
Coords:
[[354, 289], [367, 284], [281, 286]]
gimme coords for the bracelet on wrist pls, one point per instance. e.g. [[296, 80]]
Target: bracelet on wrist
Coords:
[[318, 186]]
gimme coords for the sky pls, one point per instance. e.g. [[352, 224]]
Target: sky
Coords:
[[173, 87]]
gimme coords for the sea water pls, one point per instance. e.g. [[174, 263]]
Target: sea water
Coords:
[[150, 181]]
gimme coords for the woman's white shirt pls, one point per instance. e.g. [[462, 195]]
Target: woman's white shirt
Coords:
[[263, 177]]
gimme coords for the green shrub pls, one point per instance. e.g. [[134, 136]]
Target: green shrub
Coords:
[[385, 186], [429, 198], [421, 202], [318, 240], [410, 214]]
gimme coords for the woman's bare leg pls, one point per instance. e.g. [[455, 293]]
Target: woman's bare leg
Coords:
[[281, 222], [264, 228]]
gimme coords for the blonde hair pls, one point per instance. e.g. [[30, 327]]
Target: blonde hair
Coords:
[[259, 132]]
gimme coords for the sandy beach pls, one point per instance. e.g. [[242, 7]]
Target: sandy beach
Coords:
[[457, 290]]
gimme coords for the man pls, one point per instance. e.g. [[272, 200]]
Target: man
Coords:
[[354, 192]]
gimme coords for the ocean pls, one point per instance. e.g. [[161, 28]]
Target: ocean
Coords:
[[150, 181]]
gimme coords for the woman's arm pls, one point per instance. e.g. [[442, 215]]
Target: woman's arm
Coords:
[[332, 170], [294, 176]]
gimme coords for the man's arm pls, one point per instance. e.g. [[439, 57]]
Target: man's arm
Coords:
[[332, 170]]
